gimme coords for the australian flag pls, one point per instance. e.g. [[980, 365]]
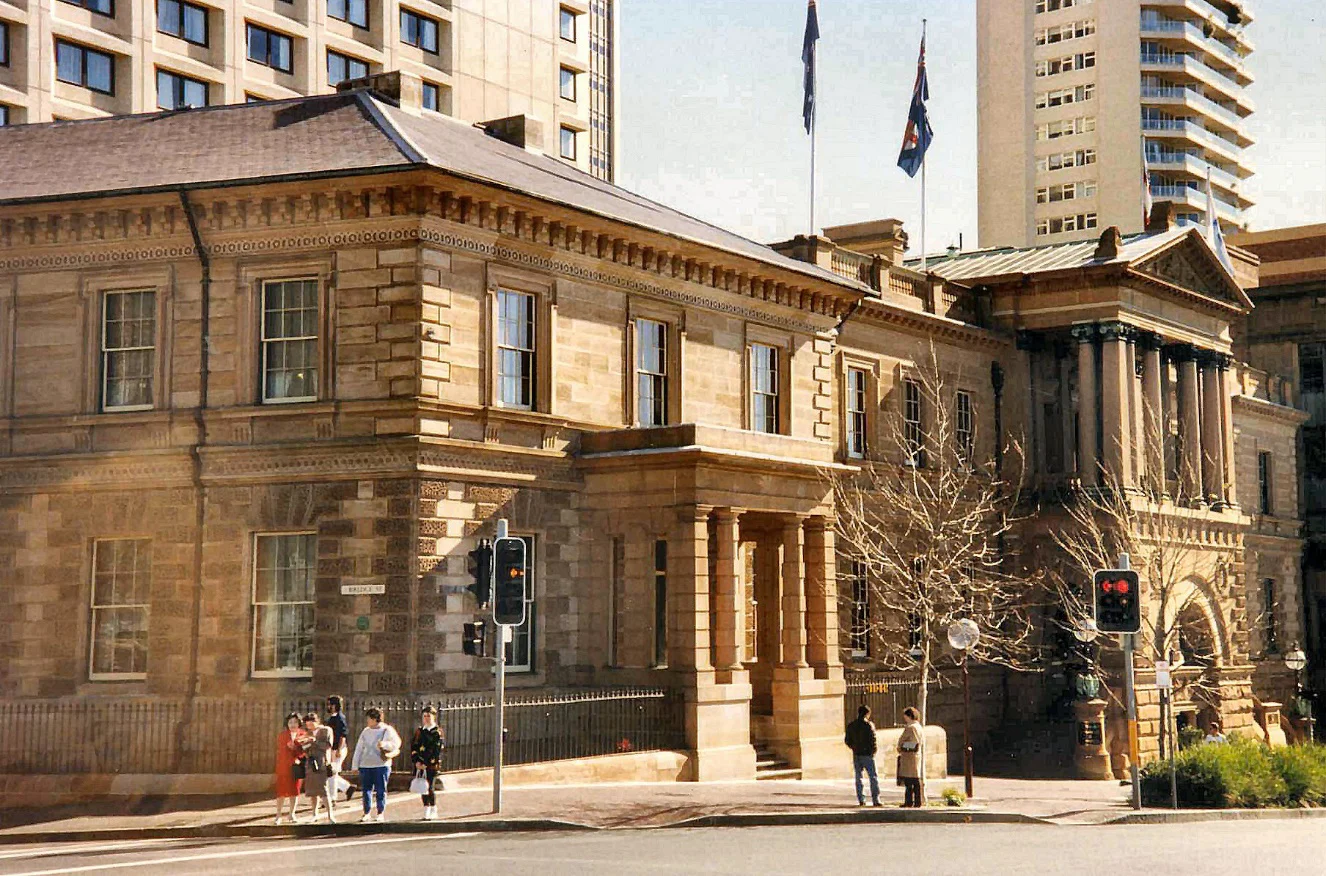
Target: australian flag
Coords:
[[808, 59], [917, 137]]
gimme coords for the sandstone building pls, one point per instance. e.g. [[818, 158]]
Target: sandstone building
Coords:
[[477, 60], [257, 409], [1063, 86]]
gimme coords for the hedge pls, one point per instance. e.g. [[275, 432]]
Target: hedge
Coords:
[[1240, 774]]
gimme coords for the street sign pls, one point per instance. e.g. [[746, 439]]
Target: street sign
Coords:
[[1163, 679], [363, 589]]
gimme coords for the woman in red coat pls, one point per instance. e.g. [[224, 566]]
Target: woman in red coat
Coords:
[[289, 751]]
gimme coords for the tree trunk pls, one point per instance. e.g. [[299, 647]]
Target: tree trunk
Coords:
[[922, 704]]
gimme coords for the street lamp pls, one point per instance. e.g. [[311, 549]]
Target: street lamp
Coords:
[[1297, 661], [962, 636], [1086, 631]]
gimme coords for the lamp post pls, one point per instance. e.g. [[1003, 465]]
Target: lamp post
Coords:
[[1297, 661], [962, 636]]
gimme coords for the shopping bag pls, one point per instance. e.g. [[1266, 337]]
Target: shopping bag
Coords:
[[419, 784], [340, 787]]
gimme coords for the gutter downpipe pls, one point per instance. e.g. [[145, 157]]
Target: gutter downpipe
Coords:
[[200, 495]]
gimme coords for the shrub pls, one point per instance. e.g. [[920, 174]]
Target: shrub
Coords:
[[1303, 768], [1190, 736], [1238, 773], [953, 797]]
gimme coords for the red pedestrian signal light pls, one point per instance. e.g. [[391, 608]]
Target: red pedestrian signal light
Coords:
[[1118, 608]]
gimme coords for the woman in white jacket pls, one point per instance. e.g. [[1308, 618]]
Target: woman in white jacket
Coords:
[[378, 744]]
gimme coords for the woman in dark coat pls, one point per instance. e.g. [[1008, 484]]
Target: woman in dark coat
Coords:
[[317, 751], [426, 755]]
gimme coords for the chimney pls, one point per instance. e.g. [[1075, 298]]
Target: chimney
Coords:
[[522, 130], [401, 89], [1161, 218], [883, 237], [1111, 241]]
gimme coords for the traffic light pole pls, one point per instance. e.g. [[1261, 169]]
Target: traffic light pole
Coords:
[[1130, 695], [499, 700]]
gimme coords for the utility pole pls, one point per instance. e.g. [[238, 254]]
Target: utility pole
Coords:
[[1130, 695]]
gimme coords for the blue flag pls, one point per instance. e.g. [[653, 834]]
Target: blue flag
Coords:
[[808, 59], [916, 139]]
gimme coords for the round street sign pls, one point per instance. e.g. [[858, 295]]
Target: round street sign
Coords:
[[361, 623]]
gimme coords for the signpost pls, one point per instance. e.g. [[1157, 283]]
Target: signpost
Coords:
[[1165, 684]]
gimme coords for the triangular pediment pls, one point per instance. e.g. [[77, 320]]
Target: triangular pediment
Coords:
[[1190, 264]]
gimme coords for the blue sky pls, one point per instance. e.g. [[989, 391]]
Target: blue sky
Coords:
[[711, 112]]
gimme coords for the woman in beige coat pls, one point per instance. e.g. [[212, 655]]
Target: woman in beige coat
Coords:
[[317, 753], [911, 758]]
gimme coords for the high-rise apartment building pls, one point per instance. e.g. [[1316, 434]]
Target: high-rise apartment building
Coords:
[[479, 59], [1071, 91]]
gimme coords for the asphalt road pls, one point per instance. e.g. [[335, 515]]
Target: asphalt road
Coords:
[[1208, 849]]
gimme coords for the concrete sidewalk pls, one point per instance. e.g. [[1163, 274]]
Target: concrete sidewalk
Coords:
[[598, 806]]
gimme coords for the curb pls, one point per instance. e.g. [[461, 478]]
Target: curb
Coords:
[[302, 831], [868, 816], [1192, 816]]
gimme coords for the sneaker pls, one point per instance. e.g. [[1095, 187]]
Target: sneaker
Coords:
[[860, 802], [280, 820], [431, 814], [877, 803], [367, 819], [381, 817]]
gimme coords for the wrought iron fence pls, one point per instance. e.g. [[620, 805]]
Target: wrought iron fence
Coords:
[[886, 693], [239, 736]]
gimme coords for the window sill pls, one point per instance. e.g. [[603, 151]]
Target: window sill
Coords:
[[281, 673], [117, 676], [302, 400], [127, 409]]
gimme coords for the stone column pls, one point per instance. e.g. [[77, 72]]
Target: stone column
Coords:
[[1213, 441], [727, 571], [688, 592], [794, 595], [1227, 427], [1066, 418], [1029, 344], [1190, 440], [821, 598], [1153, 414], [1136, 406], [1116, 414], [1088, 466]]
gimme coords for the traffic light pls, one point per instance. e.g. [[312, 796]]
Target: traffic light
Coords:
[[473, 637], [1118, 606], [481, 559], [509, 572]]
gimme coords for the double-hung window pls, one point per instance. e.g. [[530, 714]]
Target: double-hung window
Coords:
[[418, 31], [353, 11], [912, 434], [515, 349], [121, 582], [128, 350], [179, 92], [651, 366], [342, 67], [289, 340], [269, 48], [856, 412], [79, 65], [859, 631], [964, 428], [183, 20], [284, 568], [764, 389]]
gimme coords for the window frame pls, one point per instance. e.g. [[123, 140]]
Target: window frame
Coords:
[[856, 421], [4, 115], [4, 45], [1270, 623], [349, 60], [858, 623], [434, 89], [94, 607], [660, 380], [1265, 492], [349, 11], [774, 392], [254, 671], [317, 339], [270, 35], [563, 16], [964, 438], [562, 80], [563, 131], [421, 19], [183, 6], [527, 354], [83, 4], [105, 352], [83, 52], [913, 427], [182, 81]]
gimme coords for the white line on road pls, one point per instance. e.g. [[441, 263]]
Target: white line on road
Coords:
[[74, 848], [298, 847]]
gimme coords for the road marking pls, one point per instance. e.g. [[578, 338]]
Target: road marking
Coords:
[[298, 847], [74, 848]]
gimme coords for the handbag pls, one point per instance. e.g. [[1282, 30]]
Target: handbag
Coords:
[[297, 769], [419, 784]]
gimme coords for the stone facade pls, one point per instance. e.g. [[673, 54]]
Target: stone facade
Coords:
[[697, 554]]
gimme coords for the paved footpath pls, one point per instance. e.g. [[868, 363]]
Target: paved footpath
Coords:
[[635, 805]]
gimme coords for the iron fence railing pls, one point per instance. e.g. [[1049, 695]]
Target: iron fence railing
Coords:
[[239, 736], [886, 693]]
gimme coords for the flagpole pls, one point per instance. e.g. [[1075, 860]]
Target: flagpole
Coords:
[[923, 180], [813, 114]]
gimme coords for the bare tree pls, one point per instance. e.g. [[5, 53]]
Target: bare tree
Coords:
[[925, 523]]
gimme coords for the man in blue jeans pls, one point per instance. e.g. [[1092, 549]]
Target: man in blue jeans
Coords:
[[861, 739]]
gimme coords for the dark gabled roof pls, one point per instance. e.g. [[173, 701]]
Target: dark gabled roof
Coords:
[[323, 136]]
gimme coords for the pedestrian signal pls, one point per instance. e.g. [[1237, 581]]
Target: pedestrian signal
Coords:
[[473, 638], [1118, 606], [481, 568]]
